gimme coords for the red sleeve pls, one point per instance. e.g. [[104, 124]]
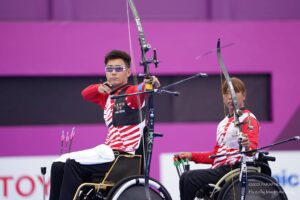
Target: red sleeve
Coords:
[[135, 101], [92, 94], [203, 157], [251, 128]]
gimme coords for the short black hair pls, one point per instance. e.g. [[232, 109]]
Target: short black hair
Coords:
[[118, 54]]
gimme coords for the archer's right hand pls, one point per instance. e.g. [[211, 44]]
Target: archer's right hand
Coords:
[[105, 88]]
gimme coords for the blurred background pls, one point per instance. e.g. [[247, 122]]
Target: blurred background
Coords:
[[51, 49]]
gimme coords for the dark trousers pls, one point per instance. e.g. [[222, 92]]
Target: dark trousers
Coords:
[[194, 180], [66, 177]]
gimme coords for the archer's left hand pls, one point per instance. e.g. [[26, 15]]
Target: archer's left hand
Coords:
[[154, 81]]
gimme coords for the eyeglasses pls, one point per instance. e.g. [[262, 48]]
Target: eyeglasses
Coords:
[[117, 68]]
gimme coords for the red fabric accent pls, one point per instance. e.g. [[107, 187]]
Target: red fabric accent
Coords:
[[203, 157], [131, 132], [135, 101], [134, 140], [127, 128], [92, 94], [114, 138], [252, 134]]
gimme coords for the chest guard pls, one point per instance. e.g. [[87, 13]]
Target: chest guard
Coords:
[[123, 115]]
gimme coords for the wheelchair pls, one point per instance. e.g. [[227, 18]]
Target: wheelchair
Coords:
[[123, 181], [260, 184]]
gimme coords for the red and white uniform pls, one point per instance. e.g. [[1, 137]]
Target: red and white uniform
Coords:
[[227, 140], [126, 137]]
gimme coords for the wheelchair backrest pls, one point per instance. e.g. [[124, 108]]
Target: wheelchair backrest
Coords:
[[124, 166]]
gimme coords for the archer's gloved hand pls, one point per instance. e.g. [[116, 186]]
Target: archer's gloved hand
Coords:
[[153, 81]]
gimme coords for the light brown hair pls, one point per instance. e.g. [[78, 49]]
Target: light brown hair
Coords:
[[238, 86]]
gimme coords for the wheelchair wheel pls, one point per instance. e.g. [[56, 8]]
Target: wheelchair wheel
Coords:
[[133, 188], [259, 187]]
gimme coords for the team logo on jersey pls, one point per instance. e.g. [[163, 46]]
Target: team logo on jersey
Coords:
[[119, 107]]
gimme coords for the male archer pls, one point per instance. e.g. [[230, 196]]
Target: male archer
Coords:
[[124, 118]]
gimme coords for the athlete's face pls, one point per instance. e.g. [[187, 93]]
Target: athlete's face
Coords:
[[117, 72], [227, 100]]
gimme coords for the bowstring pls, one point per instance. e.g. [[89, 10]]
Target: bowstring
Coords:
[[135, 79]]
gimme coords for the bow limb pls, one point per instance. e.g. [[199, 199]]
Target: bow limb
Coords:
[[149, 129], [237, 111], [145, 47]]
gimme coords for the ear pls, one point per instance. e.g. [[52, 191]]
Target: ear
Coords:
[[244, 96], [128, 72]]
